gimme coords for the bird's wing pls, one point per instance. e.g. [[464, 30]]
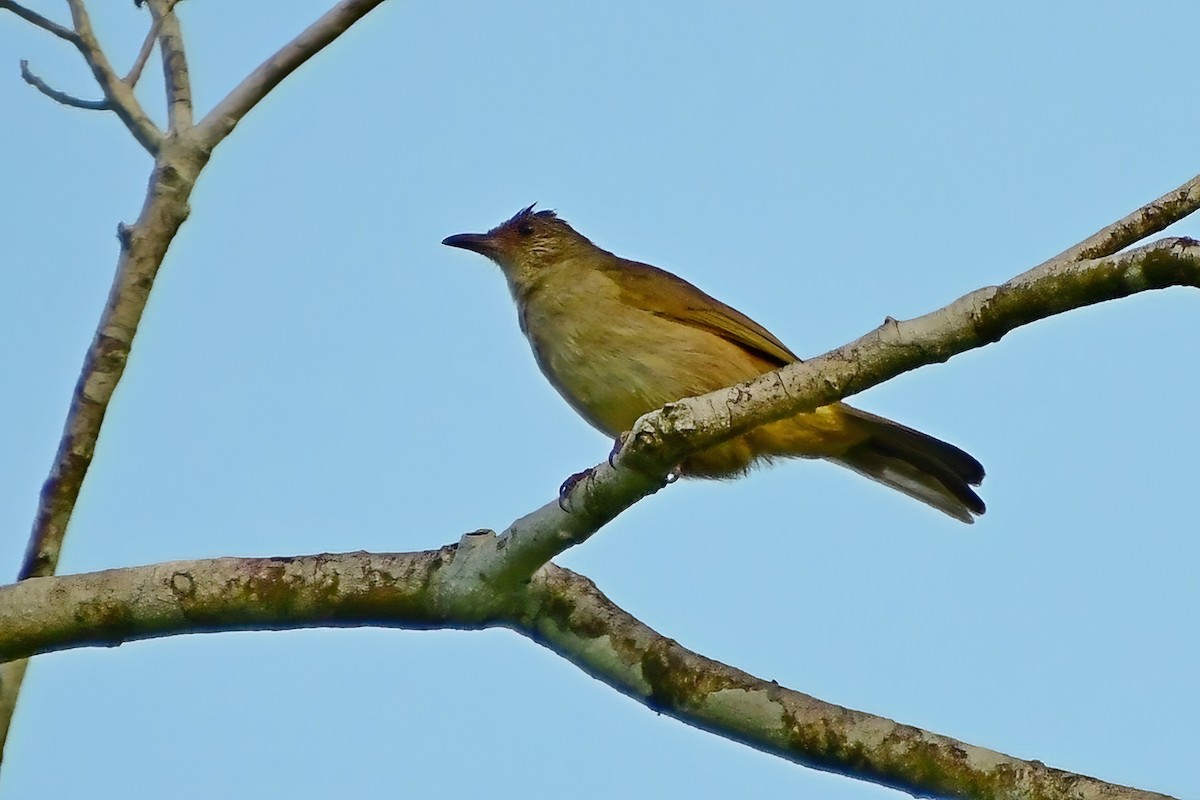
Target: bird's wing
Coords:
[[666, 295]]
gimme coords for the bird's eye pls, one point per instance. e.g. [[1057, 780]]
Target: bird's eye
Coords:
[[525, 229]]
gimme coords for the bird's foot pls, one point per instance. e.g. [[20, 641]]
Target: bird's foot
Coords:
[[570, 483], [618, 443]]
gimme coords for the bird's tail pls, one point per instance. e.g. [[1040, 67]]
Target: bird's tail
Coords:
[[925, 468]]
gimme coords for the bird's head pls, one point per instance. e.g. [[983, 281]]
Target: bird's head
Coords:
[[526, 245]]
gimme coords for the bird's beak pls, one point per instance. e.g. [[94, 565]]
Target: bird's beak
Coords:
[[476, 242]]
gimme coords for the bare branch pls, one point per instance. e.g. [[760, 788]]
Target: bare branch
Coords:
[[974, 320], [574, 619], [557, 608], [230, 111], [1146, 221], [176, 76], [37, 19], [143, 247], [165, 599], [60, 97], [120, 95], [139, 63]]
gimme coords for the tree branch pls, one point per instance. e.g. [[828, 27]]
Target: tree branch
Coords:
[[895, 347], [178, 163], [143, 248], [60, 97], [487, 580], [119, 94], [37, 19], [139, 63], [219, 122], [120, 605], [1146, 221], [570, 616], [481, 582], [176, 76], [559, 609]]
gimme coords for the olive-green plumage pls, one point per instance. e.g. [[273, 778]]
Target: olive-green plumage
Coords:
[[618, 338]]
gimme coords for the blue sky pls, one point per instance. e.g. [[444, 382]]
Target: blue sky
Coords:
[[315, 372]]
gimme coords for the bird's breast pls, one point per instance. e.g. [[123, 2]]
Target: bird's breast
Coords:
[[613, 361]]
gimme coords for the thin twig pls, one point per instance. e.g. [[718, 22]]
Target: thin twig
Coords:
[[124, 102], [61, 97], [218, 123], [176, 77], [135, 72], [37, 19]]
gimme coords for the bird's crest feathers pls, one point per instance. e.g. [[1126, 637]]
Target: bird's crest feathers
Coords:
[[527, 213]]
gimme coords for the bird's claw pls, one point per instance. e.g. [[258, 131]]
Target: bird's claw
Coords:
[[570, 483], [618, 443], [564, 490]]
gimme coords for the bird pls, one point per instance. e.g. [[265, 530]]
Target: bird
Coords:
[[619, 338]]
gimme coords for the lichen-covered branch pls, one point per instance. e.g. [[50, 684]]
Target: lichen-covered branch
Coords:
[[488, 580], [120, 605], [562, 610], [568, 614], [974, 320], [219, 122], [178, 162], [1146, 221], [143, 247]]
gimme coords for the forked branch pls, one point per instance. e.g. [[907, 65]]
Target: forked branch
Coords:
[[506, 581], [143, 245], [119, 94], [557, 608], [139, 63]]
